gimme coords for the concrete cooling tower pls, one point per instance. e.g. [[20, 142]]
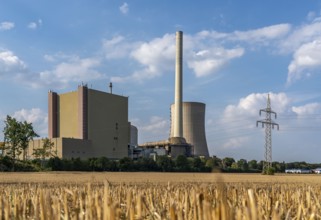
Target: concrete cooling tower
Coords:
[[193, 126]]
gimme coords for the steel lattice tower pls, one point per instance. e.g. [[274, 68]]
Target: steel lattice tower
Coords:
[[269, 125]]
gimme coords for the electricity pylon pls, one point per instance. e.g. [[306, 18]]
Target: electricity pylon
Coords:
[[268, 123]]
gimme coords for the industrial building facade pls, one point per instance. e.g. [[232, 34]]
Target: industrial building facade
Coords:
[[87, 123]]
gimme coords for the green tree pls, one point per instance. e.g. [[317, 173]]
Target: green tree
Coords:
[[2, 147], [165, 163], [234, 166], [12, 134], [27, 135], [46, 151], [227, 162], [17, 136], [99, 164], [182, 163], [126, 164], [213, 163], [198, 164], [253, 164], [55, 164], [242, 164]]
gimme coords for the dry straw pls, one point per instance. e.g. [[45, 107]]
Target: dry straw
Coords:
[[161, 201]]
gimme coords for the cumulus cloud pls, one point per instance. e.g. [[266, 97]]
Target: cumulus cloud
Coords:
[[301, 35], [75, 70], [10, 64], [304, 43], [308, 109], [237, 126], [117, 47], [236, 130], [4, 26], [124, 8], [204, 52], [68, 69], [206, 62], [155, 58], [251, 104], [36, 116], [306, 59]]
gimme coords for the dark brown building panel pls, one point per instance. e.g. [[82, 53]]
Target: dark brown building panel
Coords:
[[52, 114]]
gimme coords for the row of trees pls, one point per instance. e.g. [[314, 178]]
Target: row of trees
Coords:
[[17, 136], [161, 164]]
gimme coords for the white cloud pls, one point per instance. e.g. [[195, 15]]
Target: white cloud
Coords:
[[34, 25], [305, 60], [36, 116], [157, 53], [10, 64], [206, 62], [236, 143], [235, 134], [6, 26], [308, 109], [75, 70], [204, 52], [69, 69], [117, 47], [250, 105], [301, 35], [262, 35], [124, 8], [155, 57]]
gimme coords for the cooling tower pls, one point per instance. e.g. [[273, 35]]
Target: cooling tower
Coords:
[[193, 126]]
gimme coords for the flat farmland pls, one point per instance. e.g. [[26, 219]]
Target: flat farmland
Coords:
[[153, 177], [144, 195]]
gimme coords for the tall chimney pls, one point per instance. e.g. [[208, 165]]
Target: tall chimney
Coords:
[[178, 120], [111, 87]]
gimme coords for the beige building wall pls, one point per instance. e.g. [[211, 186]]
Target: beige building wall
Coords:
[[90, 123], [68, 115], [108, 126], [64, 148], [36, 144]]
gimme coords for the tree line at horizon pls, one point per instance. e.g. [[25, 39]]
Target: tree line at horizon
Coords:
[[18, 134]]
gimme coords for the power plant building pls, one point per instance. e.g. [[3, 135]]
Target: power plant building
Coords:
[[187, 133], [87, 123]]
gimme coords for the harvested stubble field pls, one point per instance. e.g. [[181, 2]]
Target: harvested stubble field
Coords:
[[72, 195]]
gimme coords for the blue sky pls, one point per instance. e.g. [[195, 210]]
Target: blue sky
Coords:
[[235, 52]]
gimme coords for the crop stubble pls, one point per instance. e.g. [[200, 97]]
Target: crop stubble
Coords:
[[72, 195]]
